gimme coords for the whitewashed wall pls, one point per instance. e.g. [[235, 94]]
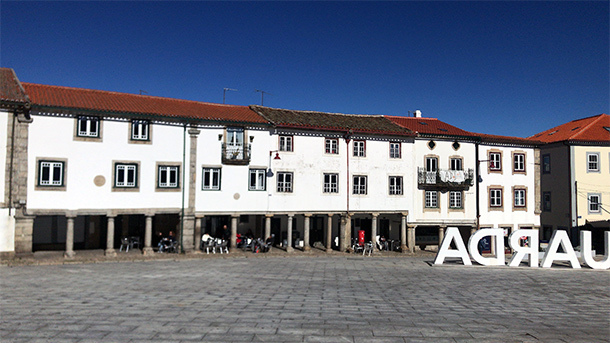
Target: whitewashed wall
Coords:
[[53, 137], [508, 217]]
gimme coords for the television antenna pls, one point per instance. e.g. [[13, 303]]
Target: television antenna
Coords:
[[224, 92], [262, 95]]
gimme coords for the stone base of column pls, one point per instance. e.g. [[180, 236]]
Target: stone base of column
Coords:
[[110, 252], [329, 250], [148, 251], [289, 249], [404, 249], [69, 254], [306, 248]]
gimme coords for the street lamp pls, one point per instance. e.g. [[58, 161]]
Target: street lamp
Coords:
[[277, 157]]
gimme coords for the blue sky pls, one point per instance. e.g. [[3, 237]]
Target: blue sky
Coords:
[[508, 68]]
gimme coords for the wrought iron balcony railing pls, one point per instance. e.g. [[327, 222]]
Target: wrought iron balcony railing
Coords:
[[236, 154], [444, 179]]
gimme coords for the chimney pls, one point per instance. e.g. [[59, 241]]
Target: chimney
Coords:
[[417, 114]]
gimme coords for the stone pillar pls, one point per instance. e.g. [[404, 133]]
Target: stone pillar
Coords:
[[16, 183], [289, 247], [374, 231], [411, 238], [148, 236], [233, 245], [345, 236], [24, 229], [441, 234], [70, 236], [267, 226], [197, 235], [188, 233], [307, 225], [192, 171], [329, 233], [404, 240], [110, 251]]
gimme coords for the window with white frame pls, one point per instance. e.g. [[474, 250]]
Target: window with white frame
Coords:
[[455, 199], [394, 149], [257, 180], [359, 148], [495, 197], [211, 179], [519, 197], [125, 175], [431, 199], [88, 127], [332, 146], [286, 143], [519, 163], [169, 177], [495, 161], [331, 183], [592, 162], [51, 173], [456, 163], [139, 130], [284, 182], [594, 202], [395, 183], [431, 164], [359, 184]]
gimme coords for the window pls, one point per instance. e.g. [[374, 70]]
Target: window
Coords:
[[126, 175], [431, 199], [519, 162], [546, 164], [359, 149], [519, 197], [495, 161], [546, 201], [495, 197], [394, 149], [211, 179], [592, 162], [594, 203], [331, 183], [395, 185], [456, 164], [359, 184], [88, 127], [257, 179], [139, 130], [332, 146], [51, 173], [286, 143], [284, 182], [455, 199], [431, 164], [169, 177]]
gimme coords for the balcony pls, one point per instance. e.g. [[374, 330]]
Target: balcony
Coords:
[[235, 154], [444, 179]]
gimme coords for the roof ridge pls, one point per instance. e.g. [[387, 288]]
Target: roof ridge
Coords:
[[416, 118], [599, 117], [135, 95], [320, 112]]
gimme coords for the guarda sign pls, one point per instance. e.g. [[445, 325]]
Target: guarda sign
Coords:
[[560, 238]]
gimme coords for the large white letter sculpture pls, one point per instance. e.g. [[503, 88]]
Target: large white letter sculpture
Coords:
[[452, 234], [522, 252], [473, 243], [585, 250], [560, 237]]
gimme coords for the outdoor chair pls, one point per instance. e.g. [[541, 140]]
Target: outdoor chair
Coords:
[[125, 243], [222, 246], [133, 242], [209, 245], [368, 248]]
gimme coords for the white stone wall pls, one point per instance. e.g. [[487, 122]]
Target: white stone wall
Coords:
[[508, 216], [5, 121], [53, 138]]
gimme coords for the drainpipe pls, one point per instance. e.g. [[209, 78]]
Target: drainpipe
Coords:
[[477, 188], [10, 177]]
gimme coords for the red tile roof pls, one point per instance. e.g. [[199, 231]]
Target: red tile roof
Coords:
[[507, 139], [590, 129], [431, 126], [358, 123], [10, 87], [124, 103]]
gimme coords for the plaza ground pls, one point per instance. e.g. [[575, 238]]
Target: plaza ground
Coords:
[[301, 298]]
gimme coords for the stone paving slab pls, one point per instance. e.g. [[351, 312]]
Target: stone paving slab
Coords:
[[314, 298]]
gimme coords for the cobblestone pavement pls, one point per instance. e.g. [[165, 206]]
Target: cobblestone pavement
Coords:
[[301, 299]]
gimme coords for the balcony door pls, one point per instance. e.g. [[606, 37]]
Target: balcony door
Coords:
[[235, 143]]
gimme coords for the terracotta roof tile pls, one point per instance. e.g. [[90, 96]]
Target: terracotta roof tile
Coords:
[[507, 139], [124, 103], [10, 87], [372, 124], [590, 129], [431, 126]]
